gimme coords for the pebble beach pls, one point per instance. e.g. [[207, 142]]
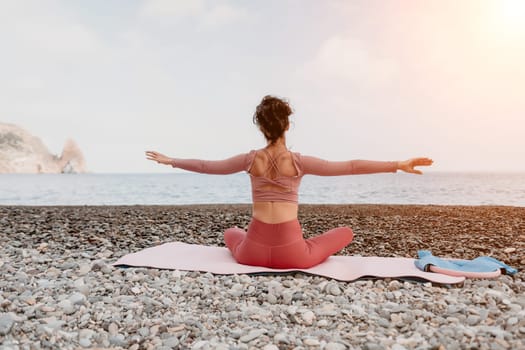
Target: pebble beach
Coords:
[[58, 289]]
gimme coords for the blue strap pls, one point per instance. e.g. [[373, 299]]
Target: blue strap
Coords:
[[480, 264]]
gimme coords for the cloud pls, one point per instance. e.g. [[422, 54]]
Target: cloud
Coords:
[[60, 38], [27, 82], [223, 14], [208, 14], [170, 8], [32, 28], [42, 45], [348, 60]]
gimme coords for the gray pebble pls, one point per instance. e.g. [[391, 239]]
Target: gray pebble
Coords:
[[334, 346], [311, 342], [236, 333], [83, 269], [373, 346], [77, 299], [473, 320], [6, 323], [68, 265], [308, 317], [333, 289], [512, 321], [394, 285], [98, 265], [117, 340], [287, 297], [385, 323], [270, 347], [281, 338], [84, 342], [255, 333], [143, 331], [86, 333], [113, 329], [171, 342], [67, 307], [322, 323], [398, 347], [201, 344], [272, 299]]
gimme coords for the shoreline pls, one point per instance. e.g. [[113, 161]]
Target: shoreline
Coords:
[[249, 204], [59, 290]]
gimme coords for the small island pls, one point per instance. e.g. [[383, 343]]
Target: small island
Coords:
[[21, 152]]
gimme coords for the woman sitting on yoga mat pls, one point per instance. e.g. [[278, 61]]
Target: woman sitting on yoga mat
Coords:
[[274, 237]]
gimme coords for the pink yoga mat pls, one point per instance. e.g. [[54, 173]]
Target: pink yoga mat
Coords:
[[466, 274], [218, 260]]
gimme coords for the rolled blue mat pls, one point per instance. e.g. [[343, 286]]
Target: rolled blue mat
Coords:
[[480, 264]]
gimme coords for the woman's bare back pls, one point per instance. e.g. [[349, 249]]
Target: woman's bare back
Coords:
[[273, 163]]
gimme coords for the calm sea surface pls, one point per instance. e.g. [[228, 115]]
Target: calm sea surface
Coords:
[[187, 188]]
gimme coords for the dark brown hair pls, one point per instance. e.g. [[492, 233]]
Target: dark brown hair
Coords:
[[271, 116]]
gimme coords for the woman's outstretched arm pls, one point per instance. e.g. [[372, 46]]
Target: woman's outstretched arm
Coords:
[[221, 167], [317, 166]]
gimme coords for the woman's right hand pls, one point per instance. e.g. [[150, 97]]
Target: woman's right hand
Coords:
[[408, 165], [158, 157]]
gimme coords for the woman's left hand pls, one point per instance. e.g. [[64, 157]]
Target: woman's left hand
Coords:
[[408, 165], [158, 157]]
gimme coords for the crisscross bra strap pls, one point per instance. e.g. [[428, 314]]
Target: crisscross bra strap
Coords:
[[273, 163]]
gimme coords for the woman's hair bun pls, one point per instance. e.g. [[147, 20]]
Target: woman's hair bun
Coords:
[[271, 116]]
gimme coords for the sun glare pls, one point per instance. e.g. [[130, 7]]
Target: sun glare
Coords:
[[503, 22], [512, 14]]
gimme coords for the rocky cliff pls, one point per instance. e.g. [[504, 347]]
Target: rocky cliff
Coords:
[[21, 152]]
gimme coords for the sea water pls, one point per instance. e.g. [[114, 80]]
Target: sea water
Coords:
[[189, 188]]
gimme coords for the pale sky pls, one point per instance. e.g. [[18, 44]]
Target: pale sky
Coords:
[[383, 80]]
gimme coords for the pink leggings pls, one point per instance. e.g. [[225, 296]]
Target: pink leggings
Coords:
[[282, 245]]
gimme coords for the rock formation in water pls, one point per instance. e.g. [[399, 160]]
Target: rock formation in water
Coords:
[[21, 152]]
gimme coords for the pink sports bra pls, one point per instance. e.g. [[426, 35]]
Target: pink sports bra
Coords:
[[290, 184]]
